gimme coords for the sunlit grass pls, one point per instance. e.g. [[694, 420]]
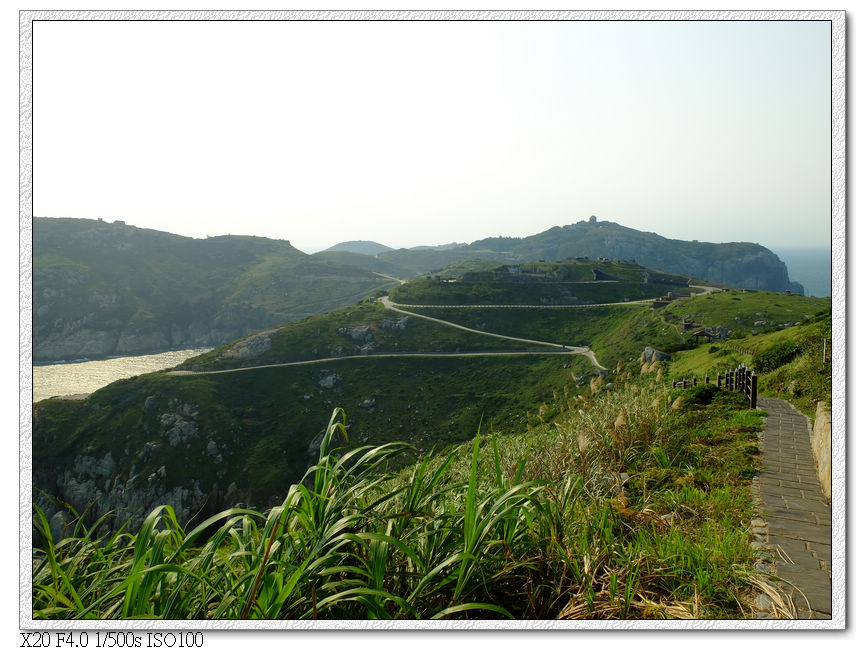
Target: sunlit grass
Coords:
[[627, 503]]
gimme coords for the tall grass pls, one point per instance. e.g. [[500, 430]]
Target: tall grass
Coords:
[[594, 514]]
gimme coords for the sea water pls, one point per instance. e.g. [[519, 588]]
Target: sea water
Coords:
[[79, 378], [812, 267]]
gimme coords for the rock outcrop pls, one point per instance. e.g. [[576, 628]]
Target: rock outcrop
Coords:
[[651, 355], [251, 346], [131, 485]]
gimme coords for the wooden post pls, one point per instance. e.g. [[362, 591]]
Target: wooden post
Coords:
[[753, 391]]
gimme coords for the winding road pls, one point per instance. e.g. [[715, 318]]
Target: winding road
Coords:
[[386, 302], [585, 351]]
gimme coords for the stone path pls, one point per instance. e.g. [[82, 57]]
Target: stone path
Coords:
[[797, 520]]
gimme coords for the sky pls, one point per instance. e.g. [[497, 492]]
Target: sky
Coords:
[[413, 133]]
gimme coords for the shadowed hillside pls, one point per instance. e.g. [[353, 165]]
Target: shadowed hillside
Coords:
[[104, 288]]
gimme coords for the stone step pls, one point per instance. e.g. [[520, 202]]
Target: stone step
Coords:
[[795, 512], [813, 587]]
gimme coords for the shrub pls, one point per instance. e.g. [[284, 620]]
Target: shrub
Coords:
[[701, 394], [775, 356]]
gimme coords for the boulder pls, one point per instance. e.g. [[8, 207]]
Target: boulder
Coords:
[[651, 355]]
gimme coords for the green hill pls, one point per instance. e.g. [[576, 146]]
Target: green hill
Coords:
[[202, 442], [572, 282], [206, 442], [594, 495], [364, 329], [747, 313], [104, 288], [737, 264], [622, 500], [366, 262], [789, 361], [358, 247]]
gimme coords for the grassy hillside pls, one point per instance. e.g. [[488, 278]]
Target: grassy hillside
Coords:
[[106, 288], [747, 313], [255, 428], [359, 247], [623, 502], [576, 326], [572, 282], [426, 260], [789, 362], [590, 497], [457, 270], [622, 332], [739, 264], [366, 262], [366, 328]]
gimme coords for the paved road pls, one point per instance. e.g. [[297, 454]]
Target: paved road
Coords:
[[599, 304], [386, 302], [796, 517], [586, 352], [390, 277], [705, 289], [625, 303], [430, 355]]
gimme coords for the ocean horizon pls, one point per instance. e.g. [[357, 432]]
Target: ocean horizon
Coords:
[[810, 266]]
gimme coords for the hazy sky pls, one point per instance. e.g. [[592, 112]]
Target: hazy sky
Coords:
[[413, 133]]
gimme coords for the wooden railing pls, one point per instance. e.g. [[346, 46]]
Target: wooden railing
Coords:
[[690, 381], [741, 379]]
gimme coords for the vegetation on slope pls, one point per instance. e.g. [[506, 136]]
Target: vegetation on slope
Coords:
[[609, 498], [364, 247], [626, 504], [746, 313], [106, 288], [572, 282], [613, 332], [577, 326], [365, 328], [367, 262], [456, 270], [789, 362], [256, 428], [740, 264]]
